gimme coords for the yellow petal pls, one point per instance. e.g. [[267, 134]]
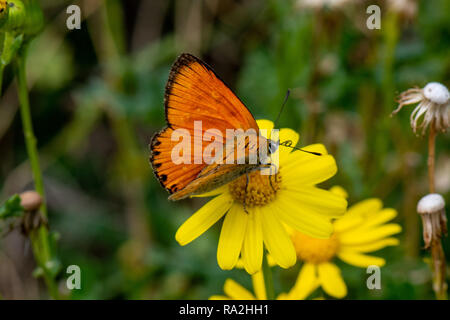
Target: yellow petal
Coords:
[[309, 173], [284, 296], [300, 157], [219, 297], [373, 246], [316, 147], [364, 236], [306, 283], [231, 237], [270, 261], [347, 222], [203, 219], [366, 207], [331, 280], [212, 193], [360, 260], [299, 218], [287, 136], [240, 262], [277, 241], [258, 285], [266, 125], [252, 249], [339, 191], [237, 292], [380, 217], [321, 201]]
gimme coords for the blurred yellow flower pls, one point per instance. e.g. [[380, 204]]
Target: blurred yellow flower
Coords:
[[361, 230], [290, 198], [235, 291]]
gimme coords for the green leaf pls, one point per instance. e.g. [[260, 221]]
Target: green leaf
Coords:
[[10, 45], [11, 208]]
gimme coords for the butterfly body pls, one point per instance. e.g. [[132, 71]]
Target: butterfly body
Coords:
[[224, 169], [195, 94]]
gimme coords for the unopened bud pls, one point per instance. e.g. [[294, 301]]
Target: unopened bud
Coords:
[[21, 17], [15, 16], [30, 200]]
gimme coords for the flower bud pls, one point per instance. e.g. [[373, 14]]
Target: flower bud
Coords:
[[21, 17], [15, 16]]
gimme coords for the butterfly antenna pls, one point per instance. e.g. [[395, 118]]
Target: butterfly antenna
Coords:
[[288, 143], [282, 107], [311, 152]]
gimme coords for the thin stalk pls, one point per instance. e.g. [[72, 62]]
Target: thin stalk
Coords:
[[437, 252], [40, 237], [268, 280], [431, 156], [30, 139], [439, 270], [1, 79]]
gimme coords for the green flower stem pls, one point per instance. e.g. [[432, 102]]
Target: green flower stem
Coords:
[[40, 237], [268, 281], [28, 132]]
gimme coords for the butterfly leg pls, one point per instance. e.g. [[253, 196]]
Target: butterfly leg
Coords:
[[270, 177], [245, 194]]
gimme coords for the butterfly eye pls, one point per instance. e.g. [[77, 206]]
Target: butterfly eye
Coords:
[[273, 146]]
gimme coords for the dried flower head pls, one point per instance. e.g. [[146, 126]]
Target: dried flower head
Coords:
[[433, 105], [30, 200], [405, 8], [432, 210]]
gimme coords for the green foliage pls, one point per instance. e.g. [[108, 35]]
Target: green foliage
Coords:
[[96, 97], [11, 208]]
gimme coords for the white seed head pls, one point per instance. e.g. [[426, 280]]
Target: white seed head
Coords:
[[436, 92], [431, 203]]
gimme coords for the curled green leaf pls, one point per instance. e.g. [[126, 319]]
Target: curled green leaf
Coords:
[[11, 208], [10, 44]]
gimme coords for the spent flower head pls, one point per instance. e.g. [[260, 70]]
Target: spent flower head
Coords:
[[432, 211], [433, 104]]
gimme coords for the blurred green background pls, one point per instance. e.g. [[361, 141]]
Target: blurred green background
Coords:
[[97, 97]]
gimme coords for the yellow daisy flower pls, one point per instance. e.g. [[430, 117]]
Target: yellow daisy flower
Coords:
[[235, 291], [292, 199], [361, 230]]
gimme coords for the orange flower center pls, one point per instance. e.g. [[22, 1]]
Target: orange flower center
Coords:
[[315, 250], [261, 189]]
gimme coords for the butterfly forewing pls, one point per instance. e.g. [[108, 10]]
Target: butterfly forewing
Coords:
[[195, 93]]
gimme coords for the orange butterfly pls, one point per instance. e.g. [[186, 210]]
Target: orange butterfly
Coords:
[[195, 93]]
